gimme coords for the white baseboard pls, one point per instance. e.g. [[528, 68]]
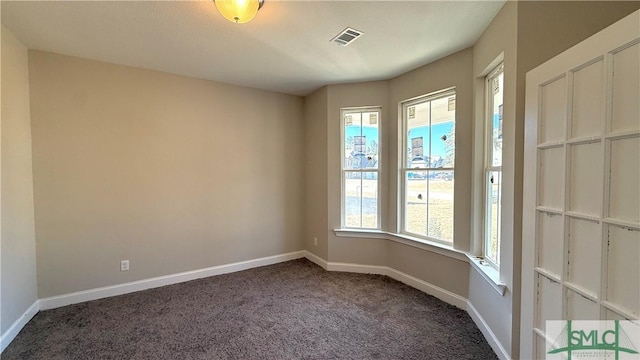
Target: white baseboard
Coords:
[[120, 289], [15, 328], [486, 331], [357, 268], [315, 259], [442, 294]]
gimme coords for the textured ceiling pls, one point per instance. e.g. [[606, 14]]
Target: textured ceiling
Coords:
[[286, 48]]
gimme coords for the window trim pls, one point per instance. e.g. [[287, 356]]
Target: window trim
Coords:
[[402, 169], [378, 169], [488, 167]]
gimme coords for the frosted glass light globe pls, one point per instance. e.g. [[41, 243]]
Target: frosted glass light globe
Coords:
[[238, 11]]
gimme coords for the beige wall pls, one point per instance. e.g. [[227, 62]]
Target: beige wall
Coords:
[[353, 250], [18, 260], [172, 173], [498, 42], [452, 71], [446, 272], [527, 33], [315, 192], [177, 174], [545, 30]]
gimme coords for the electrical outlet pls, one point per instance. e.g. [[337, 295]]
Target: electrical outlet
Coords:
[[124, 265], [315, 241]]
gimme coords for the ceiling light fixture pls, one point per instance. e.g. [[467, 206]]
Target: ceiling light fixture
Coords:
[[239, 11]]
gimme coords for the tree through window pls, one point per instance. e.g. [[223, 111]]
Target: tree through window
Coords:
[[428, 166], [360, 168]]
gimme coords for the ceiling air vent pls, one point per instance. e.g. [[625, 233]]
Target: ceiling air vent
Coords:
[[346, 37]]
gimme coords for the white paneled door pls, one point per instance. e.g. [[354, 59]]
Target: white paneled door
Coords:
[[581, 215]]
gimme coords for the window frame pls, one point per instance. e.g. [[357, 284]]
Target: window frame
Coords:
[[488, 168], [403, 169], [343, 170]]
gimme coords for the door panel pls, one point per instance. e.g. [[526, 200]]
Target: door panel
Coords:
[[550, 228], [585, 186], [551, 172], [624, 198], [553, 107], [583, 258], [626, 112], [588, 101], [623, 267], [580, 307], [549, 306]]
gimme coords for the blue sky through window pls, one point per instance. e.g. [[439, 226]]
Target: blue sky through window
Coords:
[[370, 132], [437, 144], [437, 131]]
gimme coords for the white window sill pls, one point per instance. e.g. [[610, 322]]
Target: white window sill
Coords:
[[489, 273], [423, 244]]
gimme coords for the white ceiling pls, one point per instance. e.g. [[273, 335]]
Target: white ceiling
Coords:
[[286, 48]]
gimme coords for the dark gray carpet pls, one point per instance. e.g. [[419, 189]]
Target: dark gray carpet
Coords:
[[292, 310]]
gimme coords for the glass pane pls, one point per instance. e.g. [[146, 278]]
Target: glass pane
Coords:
[[492, 226], [370, 133], [361, 199], [418, 120], [352, 199], [440, 213], [431, 133], [430, 146], [443, 113], [497, 88], [369, 200], [361, 140], [416, 202]]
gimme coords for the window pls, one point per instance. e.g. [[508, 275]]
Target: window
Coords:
[[360, 168], [493, 164], [428, 166]]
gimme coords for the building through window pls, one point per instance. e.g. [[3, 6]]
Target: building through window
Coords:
[[428, 164], [360, 168]]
